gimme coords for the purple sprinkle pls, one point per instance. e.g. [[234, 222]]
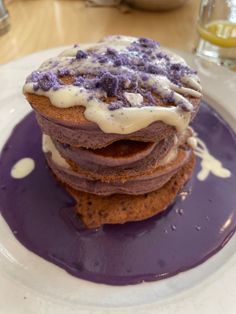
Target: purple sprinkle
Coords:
[[148, 43], [144, 77], [72, 60], [54, 63], [154, 69], [111, 51], [134, 47], [90, 98], [35, 87], [79, 81], [63, 72], [34, 77], [56, 86], [117, 62], [162, 55], [43, 80], [169, 98], [149, 97], [81, 55], [102, 59], [109, 83], [115, 105], [184, 106]]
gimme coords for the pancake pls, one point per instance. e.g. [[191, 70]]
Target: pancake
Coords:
[[115, 120], [53, 123], [134, 185], [96, 210], [145, 156]]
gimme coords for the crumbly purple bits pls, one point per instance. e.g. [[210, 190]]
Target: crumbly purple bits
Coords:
[[148, 97], [154, 69], [44, 80], [184, 106], [80, 54], [162, 55], [102, 59], [148, 43], [144, 77], [109, 83], [79, 81], [169, 98], [176, 71], [115, 105], [63, 72]]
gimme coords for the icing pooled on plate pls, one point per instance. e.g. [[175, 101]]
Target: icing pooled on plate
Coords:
[[209, 163], [22, 168]]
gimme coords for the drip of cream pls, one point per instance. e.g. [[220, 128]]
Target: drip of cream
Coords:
[[49, 147], [209, 163], [124, 120], [120, 121], [169, 157], [22, 168]]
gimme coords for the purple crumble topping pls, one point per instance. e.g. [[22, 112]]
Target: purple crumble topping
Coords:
[[34, 77], [154, 69], [169, 98], [184, 106], [44, 80], [115, 105], [90, 98], [79, 81], [35, 87], [63, 72], [109, 83], [144, 77], [149, 97], [102, 59], [81, 55], [111, 51], [148, 43], [162, 55], [47, 80], [72, 60]]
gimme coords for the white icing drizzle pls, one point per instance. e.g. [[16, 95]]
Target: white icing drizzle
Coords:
[[120, 121], [49, 147], [22, 168], [209, 163], [123, 120], [170, 156], [135, 100]]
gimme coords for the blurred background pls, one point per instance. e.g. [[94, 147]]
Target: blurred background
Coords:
[[204, 27], [42, 24]]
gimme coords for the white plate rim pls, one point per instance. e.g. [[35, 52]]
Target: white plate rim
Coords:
[[219, 89]]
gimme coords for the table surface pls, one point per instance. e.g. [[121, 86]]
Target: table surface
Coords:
[[43, 24]]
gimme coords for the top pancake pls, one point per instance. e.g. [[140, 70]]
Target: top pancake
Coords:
[[118, 87]]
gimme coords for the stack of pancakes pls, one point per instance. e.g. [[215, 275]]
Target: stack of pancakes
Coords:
[[114, 177]]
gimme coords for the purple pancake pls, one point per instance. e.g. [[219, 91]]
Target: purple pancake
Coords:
[[136, 186], [41, 215]]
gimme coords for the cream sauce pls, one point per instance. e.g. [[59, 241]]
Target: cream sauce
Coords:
[[49, 147], [169, 157], [209, 164], [123, 120], [22, 168]]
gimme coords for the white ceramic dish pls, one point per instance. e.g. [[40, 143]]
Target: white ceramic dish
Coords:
[[30, 284]]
